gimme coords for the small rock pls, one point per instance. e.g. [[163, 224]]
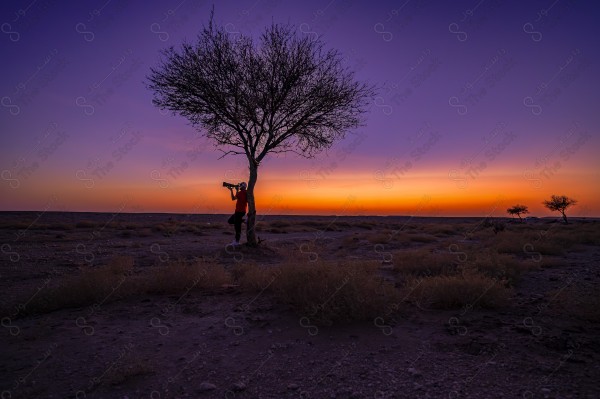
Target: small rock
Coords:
[[293, 386], [206, 386]]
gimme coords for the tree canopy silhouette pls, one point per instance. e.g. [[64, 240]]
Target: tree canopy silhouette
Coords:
[[286, 93], [518, 210], [560, 203]]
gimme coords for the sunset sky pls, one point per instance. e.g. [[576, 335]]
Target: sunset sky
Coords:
[[482, 104]]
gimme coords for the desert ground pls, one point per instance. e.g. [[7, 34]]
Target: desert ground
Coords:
[[158, 306]]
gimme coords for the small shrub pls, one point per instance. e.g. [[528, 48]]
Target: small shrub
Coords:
[[365, 225], [350, 241], [94, 285], [440, 229], [252, 277], [328, 292], [279, 223], [452, 292], [423, 262], [494, 265], [424, 238], [146, 232], [61, 226], [179, 276], [380, 237], [85, 224]]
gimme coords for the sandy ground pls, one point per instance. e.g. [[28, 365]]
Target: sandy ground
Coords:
[[239, 345]]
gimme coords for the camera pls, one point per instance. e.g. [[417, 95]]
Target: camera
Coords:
[[230, 185]]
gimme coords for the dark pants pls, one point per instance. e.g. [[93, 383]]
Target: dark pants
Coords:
[[236, 221]]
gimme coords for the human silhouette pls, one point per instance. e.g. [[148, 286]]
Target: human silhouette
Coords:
[[240, 210]]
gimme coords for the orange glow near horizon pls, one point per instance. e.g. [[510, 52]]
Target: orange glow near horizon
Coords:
[[420, 195]]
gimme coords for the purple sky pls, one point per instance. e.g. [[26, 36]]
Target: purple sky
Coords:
[[483, 104]]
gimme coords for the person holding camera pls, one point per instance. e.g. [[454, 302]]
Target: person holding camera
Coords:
[[240, 209]]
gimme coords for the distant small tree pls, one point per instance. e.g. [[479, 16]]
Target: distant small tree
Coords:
[[518, 210], [287, 93], [560, 203]]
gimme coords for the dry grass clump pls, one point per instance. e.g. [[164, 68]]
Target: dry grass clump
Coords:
[[92, 286], [380, 237], [319, 224], [544, 239], [279, 224], [424, 238], [252, 277], [328, 292], [351, 241], [57, 226], [365, 225], [424, 262], [85, 224], [179, 276], [14, 225], [145, 232], [170, 228], [494, 265], [469, 289], [116, 280]]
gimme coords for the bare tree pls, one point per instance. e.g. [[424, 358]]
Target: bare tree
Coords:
[[518, 210], [286, 93], [560, 203]]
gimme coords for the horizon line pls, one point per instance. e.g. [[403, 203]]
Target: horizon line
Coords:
[[306, 215]]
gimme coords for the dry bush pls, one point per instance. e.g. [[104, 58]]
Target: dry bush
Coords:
[[327, 292], [526, 242], [364, 225], [381, 237], [438, 229], [317, 224], [351, 241], [99, 285], [14, 225], [424, 262], [179, 276], [58, 226], [279, 224], [555, 239], [93, 286], [145, 232], [252, 277], [424, 238], [494, 265], [451, 292], [85, 224]]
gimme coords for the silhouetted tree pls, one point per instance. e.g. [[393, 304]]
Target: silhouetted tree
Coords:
[[286, 94], [560, 203], [518, 210]]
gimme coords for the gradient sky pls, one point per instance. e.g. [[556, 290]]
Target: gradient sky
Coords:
[[483, 104]]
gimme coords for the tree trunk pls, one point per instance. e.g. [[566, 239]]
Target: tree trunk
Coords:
[[250, 229], [564, 217]]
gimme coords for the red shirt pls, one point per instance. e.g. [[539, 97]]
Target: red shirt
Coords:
[[242, 201]]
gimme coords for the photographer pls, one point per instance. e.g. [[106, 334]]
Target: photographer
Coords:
[[240, 209]]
